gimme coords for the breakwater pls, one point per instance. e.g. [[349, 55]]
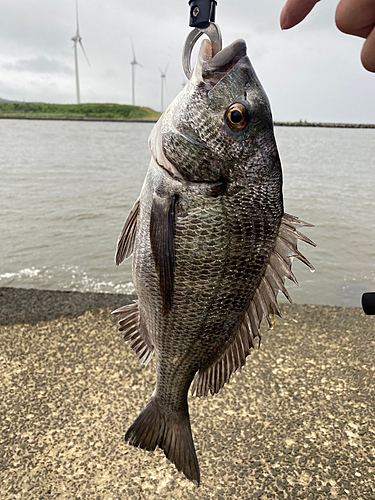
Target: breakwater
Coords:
[[325, 125]]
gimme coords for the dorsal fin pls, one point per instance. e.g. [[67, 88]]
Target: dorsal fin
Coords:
[[130, 323], [125, 244], [263, 304]]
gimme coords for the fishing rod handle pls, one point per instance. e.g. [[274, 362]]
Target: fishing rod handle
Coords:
[[368, 303]]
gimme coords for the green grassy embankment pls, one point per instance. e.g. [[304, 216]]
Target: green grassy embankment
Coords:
[[113, 112], [36, 110]]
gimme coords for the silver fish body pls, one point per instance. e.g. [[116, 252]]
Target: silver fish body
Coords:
[[211, 245]]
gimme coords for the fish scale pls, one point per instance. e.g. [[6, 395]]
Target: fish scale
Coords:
[[211, 246]]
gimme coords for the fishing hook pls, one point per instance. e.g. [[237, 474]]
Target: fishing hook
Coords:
[[202, 17]]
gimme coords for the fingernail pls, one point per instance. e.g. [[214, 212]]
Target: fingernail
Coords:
[[284, 19]]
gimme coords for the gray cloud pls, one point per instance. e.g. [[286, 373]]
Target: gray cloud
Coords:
[[40, 64], [309, 72]]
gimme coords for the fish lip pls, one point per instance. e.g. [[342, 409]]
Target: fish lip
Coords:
[[212, 69]]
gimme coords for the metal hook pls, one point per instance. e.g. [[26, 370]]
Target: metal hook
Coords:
[[214, 34]]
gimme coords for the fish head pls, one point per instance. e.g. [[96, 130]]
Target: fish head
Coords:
[[220, 124]]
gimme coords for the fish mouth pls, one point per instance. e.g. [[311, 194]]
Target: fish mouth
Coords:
[[211, 69]]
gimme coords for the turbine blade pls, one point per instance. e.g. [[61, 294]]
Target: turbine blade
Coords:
[[131, 41], [161, 71], [165, 71], [77, 17], [83, 50], [133, 51]]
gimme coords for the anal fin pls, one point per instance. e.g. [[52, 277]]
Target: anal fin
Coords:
[[129, 321]]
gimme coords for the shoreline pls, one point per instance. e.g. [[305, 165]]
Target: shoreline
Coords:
[[324, 125], [297, 421], [137, 120], [32, 305], [77, 119]]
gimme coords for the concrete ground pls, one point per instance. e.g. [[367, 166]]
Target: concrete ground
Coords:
[[297, 422]]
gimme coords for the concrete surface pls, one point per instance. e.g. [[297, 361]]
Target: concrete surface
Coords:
[[297, 422]]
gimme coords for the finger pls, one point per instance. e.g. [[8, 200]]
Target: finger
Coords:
[[356, 17], [368, 52], [295, 11]]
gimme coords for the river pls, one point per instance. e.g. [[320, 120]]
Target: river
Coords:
[[66, 188]]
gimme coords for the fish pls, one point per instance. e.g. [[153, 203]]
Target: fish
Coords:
[[211, 246]]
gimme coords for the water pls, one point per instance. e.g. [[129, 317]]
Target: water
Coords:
[[66, 188]]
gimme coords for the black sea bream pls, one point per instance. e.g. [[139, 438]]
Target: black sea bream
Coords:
[[211, 245]]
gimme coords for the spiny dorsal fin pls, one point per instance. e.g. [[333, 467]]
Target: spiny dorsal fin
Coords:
[[263, 304], [125, 244], [129, 321]]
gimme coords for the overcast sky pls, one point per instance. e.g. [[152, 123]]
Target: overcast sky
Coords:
[[311, 72]]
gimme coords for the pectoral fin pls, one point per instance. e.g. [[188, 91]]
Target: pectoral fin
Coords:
[[125, 244], [162, 223]]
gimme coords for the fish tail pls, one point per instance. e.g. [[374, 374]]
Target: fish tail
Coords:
[[170, 431]]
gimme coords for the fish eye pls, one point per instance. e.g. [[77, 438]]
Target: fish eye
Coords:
[[237, 116]]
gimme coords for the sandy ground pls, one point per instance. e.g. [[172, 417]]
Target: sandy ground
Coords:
[[297, 422]]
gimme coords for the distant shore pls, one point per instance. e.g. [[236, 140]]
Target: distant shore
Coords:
[[94, 112], [154, 120], [326, 125], [86, 112], [78, 119]]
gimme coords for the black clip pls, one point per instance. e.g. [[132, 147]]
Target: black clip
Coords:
[[202, 12]]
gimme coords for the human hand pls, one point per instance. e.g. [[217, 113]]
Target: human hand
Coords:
[[354, 17]]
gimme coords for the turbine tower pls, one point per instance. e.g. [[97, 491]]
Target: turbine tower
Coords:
[[163, 76], [134, 63], [78, 40]]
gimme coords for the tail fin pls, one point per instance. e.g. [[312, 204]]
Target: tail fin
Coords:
[[171, 432]]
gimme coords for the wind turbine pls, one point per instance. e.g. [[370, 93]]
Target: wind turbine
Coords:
[[78, 40], [134, 63], [163, 76]]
